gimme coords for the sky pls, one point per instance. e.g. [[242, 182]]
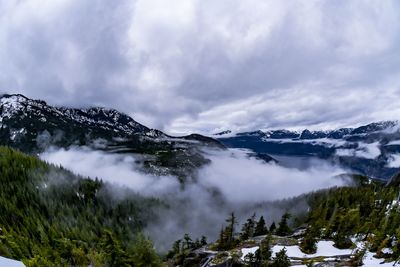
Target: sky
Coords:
[[207, 66]]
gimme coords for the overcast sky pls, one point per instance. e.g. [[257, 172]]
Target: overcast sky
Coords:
[[206, 65]]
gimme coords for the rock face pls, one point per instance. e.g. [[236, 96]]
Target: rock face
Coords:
[[372, 150], [395, 180], [33, 126]]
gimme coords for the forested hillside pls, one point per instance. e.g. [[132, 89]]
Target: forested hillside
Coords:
[[50, 217], [359, 224]]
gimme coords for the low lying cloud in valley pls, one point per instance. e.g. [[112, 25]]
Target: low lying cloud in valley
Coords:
[[231, 182]]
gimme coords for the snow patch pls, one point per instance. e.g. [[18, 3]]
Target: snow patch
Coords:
[[324, 248], [10, 263], [370, 261], [247, 251]]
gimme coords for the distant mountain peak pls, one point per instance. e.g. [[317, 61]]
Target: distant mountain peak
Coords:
[[33, 126], [17, 107]]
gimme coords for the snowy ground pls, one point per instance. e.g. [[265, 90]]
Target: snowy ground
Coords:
[[370, 261], [324, 248], [10, 263], [246, 251]]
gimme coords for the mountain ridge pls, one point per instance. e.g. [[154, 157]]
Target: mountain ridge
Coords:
[[33, 126], [317, 134], [372, 149]]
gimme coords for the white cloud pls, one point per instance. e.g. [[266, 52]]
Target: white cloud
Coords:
[[206, 65], [250, 180], [364, 150], [238, 177], [394, 161], [121, 170], [232, 182]]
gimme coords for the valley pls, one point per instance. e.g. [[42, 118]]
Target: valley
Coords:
[[94, 187]]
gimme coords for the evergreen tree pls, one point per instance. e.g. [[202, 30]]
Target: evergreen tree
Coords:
[[176, 249], [226, 238], [261, 228], [187, 242], [283, 228], [51, 217], [203, 241], [308, 244], [265, 251], [281, 259], [272, 228], [143, 253], [113, 249], [230, 230], [248, 228]]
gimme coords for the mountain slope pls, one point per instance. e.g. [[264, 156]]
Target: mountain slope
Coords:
[[51, 217], [372, 150], [33, 126]]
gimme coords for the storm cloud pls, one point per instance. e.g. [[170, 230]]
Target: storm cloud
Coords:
[[205, 66]]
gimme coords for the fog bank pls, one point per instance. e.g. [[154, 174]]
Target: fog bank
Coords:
[[231, 182]]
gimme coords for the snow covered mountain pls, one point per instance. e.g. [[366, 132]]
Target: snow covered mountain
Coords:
[[33, 126], [373, 149]]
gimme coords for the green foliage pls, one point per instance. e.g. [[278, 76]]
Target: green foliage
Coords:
[[357, 259], [272, 228], [283, 228], [143, 253], [308, 244], [281, 259], [248, 228], [250, 260], [370, 210], [227, 238], [264, 253], [50, 217], [261, 227], [182, 248]]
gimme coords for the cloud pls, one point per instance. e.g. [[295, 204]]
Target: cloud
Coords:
[[394, 161], [244, 180], [121, 170], [232, 182], [207, 66], [363, 150]]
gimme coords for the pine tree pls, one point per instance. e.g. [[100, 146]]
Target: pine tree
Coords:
[[221, 240], [284, 229], [272, 228], [227, 235], [281, 259], [230, 230], [308, 244], [248, 228], [203, 241], [143, 253], [187, 242], [113, 249], [266, 250], [261, 228]]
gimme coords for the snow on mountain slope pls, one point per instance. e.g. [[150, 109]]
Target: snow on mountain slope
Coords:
[[33, 126], [19, 106], [371, 149]]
